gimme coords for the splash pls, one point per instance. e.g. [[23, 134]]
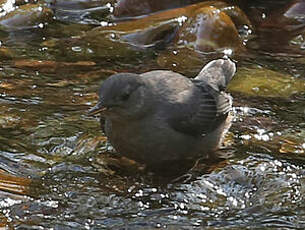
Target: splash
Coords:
[[7, 7]]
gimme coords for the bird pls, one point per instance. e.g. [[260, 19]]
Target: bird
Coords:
[[161, 118]]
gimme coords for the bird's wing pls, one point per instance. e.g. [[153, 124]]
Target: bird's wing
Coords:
[[209, 106], [194, 107], [205, 111]]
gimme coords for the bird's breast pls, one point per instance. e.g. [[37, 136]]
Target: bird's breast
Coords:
[[151, 141]]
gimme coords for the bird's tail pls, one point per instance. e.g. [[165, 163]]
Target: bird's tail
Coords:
[[217, 73]]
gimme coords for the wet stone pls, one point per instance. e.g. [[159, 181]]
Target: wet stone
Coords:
[[206, 27], [132, 8], [265, 83], [52, 66], [25, 16], [282, 30], [290, 18], [209, 29], [181, 60], [6, 53], [91, 12]]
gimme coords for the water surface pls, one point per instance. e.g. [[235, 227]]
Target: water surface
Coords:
[[58, 172]]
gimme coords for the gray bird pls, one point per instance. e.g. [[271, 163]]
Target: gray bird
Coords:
[[161, 117]]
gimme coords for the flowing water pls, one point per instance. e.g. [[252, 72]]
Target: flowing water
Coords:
[[57, 170]]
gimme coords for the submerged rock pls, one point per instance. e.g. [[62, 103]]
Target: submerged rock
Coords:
[[282, 30], [290, 19], [77, 4], [14, 184], [272, 138], [131, 8], [24, 17], [6, 53], [82, 11], [183, 60], [265, 83], [52, 66]]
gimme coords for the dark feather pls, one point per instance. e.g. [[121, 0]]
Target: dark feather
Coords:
[[209, 111]]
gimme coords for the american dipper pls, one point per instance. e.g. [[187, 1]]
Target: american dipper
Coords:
[[161, 117]]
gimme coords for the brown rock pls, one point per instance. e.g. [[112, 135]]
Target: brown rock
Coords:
[[210, 29], [6, 53], [13, 184], [131, 8], [50, 66], [204, 26], [291, 18]]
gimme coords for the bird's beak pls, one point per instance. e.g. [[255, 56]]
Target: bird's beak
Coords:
[[98, 108]]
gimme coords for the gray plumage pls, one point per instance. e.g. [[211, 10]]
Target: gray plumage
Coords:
[[161, 116]]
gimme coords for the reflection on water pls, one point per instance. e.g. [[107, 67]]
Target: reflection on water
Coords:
[[57, 169]]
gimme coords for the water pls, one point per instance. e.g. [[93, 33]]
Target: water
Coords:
[[58, 172]]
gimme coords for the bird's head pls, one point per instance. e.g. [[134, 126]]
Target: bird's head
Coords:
[[121, 96]]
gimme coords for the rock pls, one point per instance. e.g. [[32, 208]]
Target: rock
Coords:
[[155, 36], [6, 53], [51, 66], [14, 184], [82, 11], [131, 8], [24, 17], [77, 5], [209, 29], [265, 83], [204, 27], [290, 19], [185, 61], [283, 29]]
